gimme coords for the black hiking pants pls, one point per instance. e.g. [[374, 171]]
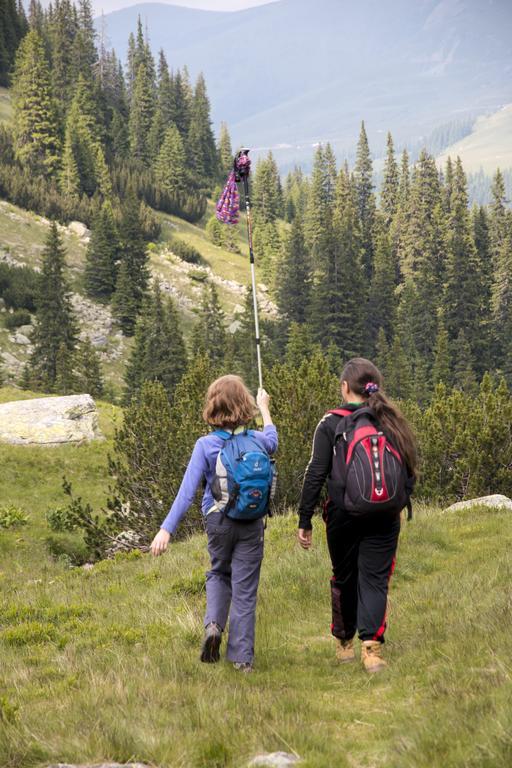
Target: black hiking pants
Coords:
[[363, 559]]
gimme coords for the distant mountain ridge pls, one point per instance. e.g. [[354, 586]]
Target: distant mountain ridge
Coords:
[[296, 72]]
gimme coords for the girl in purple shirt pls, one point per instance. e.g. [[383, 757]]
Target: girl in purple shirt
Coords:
[[235, 547]]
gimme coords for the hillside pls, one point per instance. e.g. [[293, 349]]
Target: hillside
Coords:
[[311, 71], [489, 146], [22, 236], [102, 663]]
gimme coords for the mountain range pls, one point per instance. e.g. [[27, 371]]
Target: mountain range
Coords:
[[295, 72]]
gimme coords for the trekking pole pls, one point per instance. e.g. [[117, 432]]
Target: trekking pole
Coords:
[[227, 211]]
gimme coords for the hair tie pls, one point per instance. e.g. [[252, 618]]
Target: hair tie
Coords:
[[371, 388]]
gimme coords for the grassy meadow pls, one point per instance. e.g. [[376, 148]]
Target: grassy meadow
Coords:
[[102, 664]]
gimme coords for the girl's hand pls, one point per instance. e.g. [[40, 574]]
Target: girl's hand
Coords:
[[262, 399], [305, 538], [160, 542]]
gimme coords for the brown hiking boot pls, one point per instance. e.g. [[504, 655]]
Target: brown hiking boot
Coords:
[[345, 650], [371, 656]]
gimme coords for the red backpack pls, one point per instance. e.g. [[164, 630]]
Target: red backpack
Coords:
[[368, 474]]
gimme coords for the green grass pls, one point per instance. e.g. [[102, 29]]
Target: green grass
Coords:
[[5, 106], [488, 146], [103, 664]]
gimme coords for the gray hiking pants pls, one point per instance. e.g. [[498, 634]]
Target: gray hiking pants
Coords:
[[236, 552]]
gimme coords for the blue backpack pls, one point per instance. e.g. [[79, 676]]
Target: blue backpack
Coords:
[[244, 475]]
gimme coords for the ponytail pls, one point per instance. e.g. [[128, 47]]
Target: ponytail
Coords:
[[365, 379]]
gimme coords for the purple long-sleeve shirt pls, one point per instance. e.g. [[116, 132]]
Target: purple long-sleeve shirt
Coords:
[[202, 465]]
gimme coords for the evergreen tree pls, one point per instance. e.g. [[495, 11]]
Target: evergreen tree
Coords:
[[337, 314], [502, 304], [209, 337], [165, 91], [55, 332], [182, 103], [441, 367], [267, 194], [295, 194], [171, 165], [463, 369], [365, 200], [382, 299], [124, 302], [158, 352], [156, 135], [103, 252], [294, 276], [400, 381], [62, 29], [85, 55], [320, 204], [463, 288], [300, 345], [382, 352], [142, 111], [267, 249], [13, 26], [497, 215], [390, 185], [36, 140], [225, 152], [202, 152], [89, 377]]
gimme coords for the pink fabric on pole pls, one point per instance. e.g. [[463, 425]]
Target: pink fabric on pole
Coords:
[[228, 207]]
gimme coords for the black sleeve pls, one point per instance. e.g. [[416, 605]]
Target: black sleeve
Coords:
[[316, 472]]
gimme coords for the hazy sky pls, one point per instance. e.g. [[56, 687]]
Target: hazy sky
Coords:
[[208, 5]]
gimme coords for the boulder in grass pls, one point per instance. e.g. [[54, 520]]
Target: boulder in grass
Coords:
[[497, 501], [49, 421], [275, 760]]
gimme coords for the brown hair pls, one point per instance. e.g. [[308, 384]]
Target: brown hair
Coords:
[[358, 373], [229, 403]]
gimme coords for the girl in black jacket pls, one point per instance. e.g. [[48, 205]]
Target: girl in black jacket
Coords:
[[362, 549]]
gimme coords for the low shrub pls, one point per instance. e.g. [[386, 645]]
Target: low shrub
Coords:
[[12, 517], [17, 318], [185, 251]]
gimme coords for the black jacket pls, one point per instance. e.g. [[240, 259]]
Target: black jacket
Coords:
[[319, 466]]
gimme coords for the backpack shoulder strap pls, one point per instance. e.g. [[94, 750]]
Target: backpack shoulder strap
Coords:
[[223, 433], [341, 412]]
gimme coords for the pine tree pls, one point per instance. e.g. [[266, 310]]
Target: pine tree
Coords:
[[165, 91], [202, 152], [382, 353], [158, 352], [267, 194], [400, 381], [36, 140], [182, 103], [320, 204], [363, 173], [502, 304], [294, 276], [61, 28], [141, 114], [124, 301], [337, 314], [88, 369], [441, 368], [390, 185], [225, 152], [483, 347], [103, 252], [300, 345], [209, 335], [156, 135], [463, 369], [463, 287], [497, 215], [382, 300], [84, 53], [171, 165], [55, 332]]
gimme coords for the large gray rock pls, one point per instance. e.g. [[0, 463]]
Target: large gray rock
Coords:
[[275, 759], [49, 421], [497, 500]]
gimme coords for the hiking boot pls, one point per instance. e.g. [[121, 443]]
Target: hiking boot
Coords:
[[211, 643], [371, 656], [243, 666], [345, 650]]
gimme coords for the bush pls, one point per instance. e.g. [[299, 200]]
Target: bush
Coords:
[[19, 287], [17, 318], [185, 251], [12, 517], [60, 519]]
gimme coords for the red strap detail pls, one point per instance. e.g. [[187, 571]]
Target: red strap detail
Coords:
[[341, 412], [359, 434]]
